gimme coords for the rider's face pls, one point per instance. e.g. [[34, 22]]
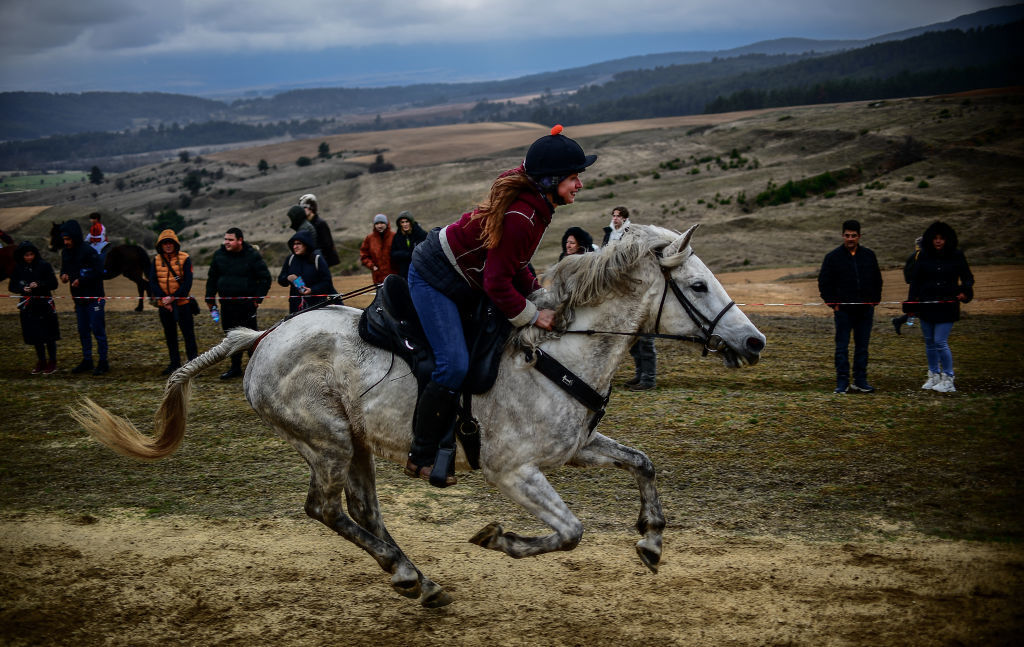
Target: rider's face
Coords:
[[569, 187]]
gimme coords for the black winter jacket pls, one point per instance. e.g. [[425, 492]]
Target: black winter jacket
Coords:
[[850, 278], [939, 277], [238, 274], [402, 246], [312, 267], [81, 263]]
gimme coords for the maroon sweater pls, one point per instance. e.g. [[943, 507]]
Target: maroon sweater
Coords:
[[503, 273]]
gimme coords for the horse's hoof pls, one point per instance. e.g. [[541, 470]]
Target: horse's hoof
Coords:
[[486, 535], [651, 557], [437, 599], [407, 588]]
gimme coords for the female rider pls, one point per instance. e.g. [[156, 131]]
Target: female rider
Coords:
[[486, 251]]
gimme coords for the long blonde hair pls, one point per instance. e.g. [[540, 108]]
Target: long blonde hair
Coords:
[[503, 193]]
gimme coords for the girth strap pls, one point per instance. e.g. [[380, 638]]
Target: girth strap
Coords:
[[572, 384]]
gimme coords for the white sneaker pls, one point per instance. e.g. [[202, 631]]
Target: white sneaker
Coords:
[[945, 384], [933, 379]]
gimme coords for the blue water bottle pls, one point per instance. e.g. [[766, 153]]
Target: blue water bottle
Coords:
[[299, 283], [215, 313]]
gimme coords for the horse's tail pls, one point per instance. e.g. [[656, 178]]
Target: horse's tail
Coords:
[[120, 435]]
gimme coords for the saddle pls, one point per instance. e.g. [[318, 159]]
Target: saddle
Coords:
[[390, 322]]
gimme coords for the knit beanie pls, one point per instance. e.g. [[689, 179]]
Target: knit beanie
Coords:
[[380, 218]]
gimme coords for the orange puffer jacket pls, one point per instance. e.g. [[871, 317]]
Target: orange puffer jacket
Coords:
[[170, 275]]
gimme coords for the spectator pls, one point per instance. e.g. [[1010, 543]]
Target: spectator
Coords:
[[33, 278], [297, 220], [851, 284], [618, 225], [82, 268], [407, 237], [240, 276], [576, 240], [170, 282], [97, 236], [324, 239], [375, 252], [305, 273], [486, 252], [940, 281]]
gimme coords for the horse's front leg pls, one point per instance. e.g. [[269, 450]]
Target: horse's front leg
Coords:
[[528, 487], [602, 451]]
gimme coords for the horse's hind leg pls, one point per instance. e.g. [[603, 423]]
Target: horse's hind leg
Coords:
[[602, 451], [330, 468], [364, 508], [142, 292], [528, 486]]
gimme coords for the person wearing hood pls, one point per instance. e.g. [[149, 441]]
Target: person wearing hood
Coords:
[[33, 278], [485, 253], [305, 274], [324, 239], [297, 221], [240, 276], [940, 280], [617, 226], [407, 237], [576, 240], [170, 282], [375, 252], [82, 268]]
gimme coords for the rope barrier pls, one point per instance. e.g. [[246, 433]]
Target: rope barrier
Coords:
[[371, 288]]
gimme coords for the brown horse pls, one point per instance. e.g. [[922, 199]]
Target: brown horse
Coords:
[[130, 260]]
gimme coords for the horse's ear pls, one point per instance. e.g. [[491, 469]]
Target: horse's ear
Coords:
[[681, 243]]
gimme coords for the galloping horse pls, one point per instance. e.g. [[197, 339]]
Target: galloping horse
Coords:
[[130, 260], [339, 401]]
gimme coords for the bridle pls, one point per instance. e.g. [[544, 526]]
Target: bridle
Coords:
[[710, 342]]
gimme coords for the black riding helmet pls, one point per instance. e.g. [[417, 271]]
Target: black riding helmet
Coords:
[[554, 157]]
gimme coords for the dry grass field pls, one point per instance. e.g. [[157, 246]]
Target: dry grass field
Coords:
[[795, 517]]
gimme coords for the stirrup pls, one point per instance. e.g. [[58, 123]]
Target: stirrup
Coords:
[[412, 470]]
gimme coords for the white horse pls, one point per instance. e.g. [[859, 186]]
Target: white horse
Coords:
[[339, 401]]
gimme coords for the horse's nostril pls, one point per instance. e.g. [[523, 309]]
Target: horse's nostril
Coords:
[[755, 344]]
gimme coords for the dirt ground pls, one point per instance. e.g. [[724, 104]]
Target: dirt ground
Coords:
[[195, 582], [126, 579]]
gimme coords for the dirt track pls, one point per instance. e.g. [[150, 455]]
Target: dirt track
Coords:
[[181, 581]]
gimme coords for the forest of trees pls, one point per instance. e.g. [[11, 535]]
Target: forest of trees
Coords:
[[935, 62]]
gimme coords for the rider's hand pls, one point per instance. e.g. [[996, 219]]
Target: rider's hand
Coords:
[[545, 319]]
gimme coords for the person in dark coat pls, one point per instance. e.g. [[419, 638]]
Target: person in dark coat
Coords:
[[407, 237], [851, 284], [305, 274], [82, 268], [576, 240], [34, 280], [240, 276], [324, 239], [940, 280]]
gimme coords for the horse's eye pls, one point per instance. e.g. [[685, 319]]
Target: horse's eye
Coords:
[[699, 286]]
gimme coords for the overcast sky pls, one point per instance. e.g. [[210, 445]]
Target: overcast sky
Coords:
[[212, 46]]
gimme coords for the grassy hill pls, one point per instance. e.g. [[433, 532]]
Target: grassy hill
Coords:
[[895, 165]]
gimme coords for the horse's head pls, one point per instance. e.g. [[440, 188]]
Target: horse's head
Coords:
[[694, 303]]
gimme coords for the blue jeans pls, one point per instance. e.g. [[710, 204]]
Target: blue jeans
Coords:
[[857, 319], [936, 346], [442, 324], [89, 314]]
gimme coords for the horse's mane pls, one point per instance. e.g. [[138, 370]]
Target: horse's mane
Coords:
[[588, 279]]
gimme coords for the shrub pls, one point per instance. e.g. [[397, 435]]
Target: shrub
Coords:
[[303, 161]]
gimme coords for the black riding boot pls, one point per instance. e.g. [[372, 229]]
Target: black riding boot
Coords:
[[435, 418]]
